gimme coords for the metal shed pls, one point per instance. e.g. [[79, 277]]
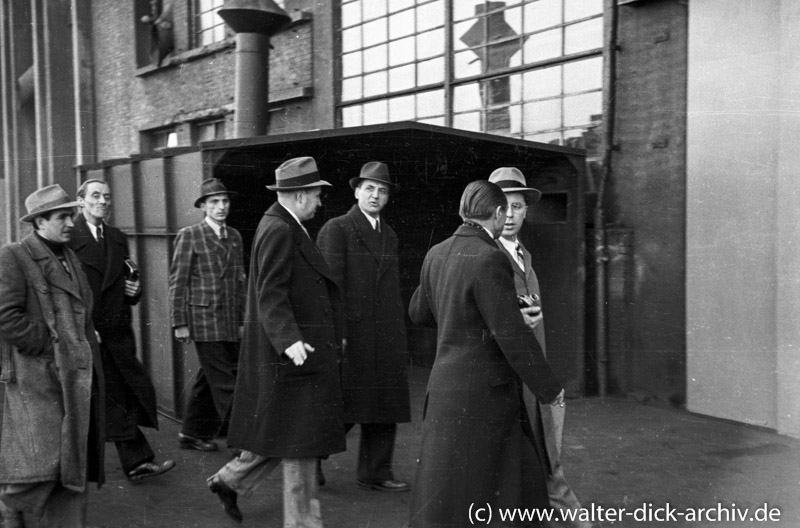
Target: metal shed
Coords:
[[153, 199]]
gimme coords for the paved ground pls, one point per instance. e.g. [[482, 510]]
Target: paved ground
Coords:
[[618, 454]]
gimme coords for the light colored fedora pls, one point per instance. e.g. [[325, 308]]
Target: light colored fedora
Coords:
[[210, 187], [510, 179], [46, 199], [375, 171], [296, 174]]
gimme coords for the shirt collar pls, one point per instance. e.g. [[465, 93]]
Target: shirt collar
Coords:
[[215, 226], [372, 219], [93, 228]]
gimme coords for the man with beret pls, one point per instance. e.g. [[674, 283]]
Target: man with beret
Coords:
[[288, 402], [130, 395], [362, 252], [520, 197], [206, 293], [52, 419]]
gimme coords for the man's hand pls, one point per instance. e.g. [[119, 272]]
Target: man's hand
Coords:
[[132, 288], [559, 399], [182, 334], [298, 352], [532, 316], [97, 335]]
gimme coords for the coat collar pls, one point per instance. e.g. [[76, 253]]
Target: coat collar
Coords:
[[224, 254], [83, 242], [303, 241], [366, 233], [52, 269], [472, 230]]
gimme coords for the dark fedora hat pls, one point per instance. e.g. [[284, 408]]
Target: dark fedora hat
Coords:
[[296, 174], [46, 199], [210, 187], [510, 179], [375, 171]]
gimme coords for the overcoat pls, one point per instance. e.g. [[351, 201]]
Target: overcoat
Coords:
[[280, 409], [206, 283], [365, 265], [132, 403], [477, 447], [48, 365]]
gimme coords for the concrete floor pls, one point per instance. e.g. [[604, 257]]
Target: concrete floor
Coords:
[[618, 454]]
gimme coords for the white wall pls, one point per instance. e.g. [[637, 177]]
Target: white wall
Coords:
[[743, 198]]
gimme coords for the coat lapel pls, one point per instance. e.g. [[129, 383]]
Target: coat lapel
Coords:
[[306, 246], [365, 232], [84, 243], [54, 273]]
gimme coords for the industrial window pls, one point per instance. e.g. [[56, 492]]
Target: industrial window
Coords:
[[208, 130], [209, 26], [522, 68], [157, 139]]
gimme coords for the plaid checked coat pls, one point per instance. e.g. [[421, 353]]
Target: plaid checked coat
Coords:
[[206, 283]]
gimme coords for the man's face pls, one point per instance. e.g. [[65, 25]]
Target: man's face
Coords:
[[372, 196], [308, 202], [56, 226], [217, 207], [96, 202], [515, 215]]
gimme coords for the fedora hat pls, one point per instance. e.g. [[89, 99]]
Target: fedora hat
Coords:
[[46, 199], [297, 173], [210, 187], [510, 179], [375, 171]]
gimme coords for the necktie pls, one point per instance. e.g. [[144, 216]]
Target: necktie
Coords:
[[520, 257], [378, 226], [223, 232], [99, 232]]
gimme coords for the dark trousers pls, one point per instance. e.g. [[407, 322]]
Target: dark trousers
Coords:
[[375, 451], [209, 406], [134, 452]]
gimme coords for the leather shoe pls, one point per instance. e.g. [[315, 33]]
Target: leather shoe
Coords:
[[191, 442], [149, 469], [227, 497], [320, 475], [386, 485]]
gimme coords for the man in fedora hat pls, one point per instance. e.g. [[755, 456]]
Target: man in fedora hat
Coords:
[[520, 197], [288, 402], [206, 292], [130, 395], [362, 252], [52, 418]]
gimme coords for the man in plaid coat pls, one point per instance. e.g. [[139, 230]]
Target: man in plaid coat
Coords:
[[206, 291]]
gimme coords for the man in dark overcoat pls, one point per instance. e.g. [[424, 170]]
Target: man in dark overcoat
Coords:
[[362, 252], [478, 447], [206, 296], [520, 197], [288, 402], [130, 395], [52, 420]]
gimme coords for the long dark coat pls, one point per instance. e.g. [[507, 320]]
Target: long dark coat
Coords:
[[477, 447], [130, 395], [366, 267], [52, 369], [280, 409]]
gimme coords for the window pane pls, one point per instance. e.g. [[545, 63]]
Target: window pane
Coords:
[[515, 119], [583, 75], [401, 24], [458, 31], [466, 64], [430, 44], [351, 89], [462, 10], [401, 78], [552, 138], [539, 84], [375, 58], [430, 15], [542, 14], [583, 36], [401, 51], [351, 14], [351, 64], [543, 115], [575, 9], [513, 18], [515, 83], [351, 39], [402, 108], [376, 112], [579, 109], [397, 5], [430, 103], [471, 121], [543, 46], [374, 32], [375, 84], [430, 72], [351, 116], [374, 9], [466, 97]]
